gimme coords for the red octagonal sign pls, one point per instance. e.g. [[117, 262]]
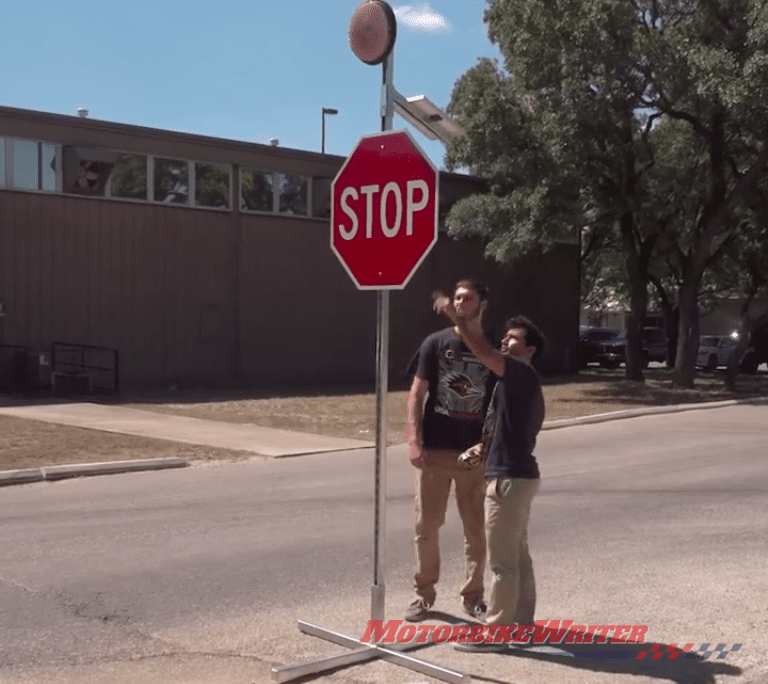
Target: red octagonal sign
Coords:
[[384, 210]]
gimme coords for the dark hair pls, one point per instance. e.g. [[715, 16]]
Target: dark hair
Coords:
[[533, 336], [476, 285]]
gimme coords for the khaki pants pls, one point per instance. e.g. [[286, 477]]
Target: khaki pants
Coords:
[[433, 486], [513, 588]]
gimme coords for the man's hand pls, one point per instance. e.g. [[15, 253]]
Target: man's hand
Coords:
[[442, 304], [473, 457], [416, 454]]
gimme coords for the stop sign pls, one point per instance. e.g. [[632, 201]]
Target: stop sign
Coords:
[[384, 210]]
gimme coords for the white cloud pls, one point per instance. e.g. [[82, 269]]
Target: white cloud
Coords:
[[421, 18]]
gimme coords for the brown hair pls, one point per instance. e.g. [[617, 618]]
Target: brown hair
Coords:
[[533, 336], [476, 285]]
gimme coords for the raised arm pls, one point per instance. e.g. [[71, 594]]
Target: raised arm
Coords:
[[473, 337]]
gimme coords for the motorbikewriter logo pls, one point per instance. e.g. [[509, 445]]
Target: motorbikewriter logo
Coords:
[[553, 632], [543, 632]]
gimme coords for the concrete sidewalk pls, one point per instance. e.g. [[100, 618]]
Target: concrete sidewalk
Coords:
[[251, 438], [259, 440]]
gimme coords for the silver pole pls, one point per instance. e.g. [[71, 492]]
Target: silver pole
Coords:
[[382, 374], [380, 482]]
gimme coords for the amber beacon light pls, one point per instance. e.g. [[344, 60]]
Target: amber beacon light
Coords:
[[372, 31]]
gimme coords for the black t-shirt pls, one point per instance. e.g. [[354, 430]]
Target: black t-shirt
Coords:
[[514, 419], [458, 394]]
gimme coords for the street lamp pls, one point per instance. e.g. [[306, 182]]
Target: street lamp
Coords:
[[326, 110]]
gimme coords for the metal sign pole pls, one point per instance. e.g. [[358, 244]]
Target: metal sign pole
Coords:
[[382, 374], [362, 652]]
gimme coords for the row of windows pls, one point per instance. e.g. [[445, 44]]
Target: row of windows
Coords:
[[36, 165]]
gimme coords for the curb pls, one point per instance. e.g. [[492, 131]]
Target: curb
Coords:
[[63, 472], [650, 410]]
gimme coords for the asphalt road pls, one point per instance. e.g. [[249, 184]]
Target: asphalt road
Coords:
[[197, 576]]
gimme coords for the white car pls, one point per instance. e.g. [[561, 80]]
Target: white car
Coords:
[[714, 351]]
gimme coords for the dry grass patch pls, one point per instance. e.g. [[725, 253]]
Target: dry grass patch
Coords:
[[340, 411]]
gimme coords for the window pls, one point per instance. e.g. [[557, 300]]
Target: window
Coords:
[[113, 174], [128, 178], [321, 197], [256, 190], [212, 185], [25, 164], [292, 194], [87, 171], [171, 181], [47, 167], [283, 192]]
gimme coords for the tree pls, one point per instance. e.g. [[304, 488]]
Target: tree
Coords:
[[748, 261], [569, 130], [558, 132], [706, 66]]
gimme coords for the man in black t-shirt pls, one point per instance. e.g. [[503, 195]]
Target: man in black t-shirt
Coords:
[[456, 388], [514, 420]]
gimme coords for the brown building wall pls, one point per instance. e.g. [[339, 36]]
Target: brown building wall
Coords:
[[301, 318], [200, 295], [193, 295], [154, 282]]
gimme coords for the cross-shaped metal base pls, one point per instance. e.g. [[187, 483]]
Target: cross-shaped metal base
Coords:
[[362, 652]]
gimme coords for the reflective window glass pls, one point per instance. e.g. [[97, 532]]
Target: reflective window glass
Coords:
[[212, 185], [128, 178], [256, 189], [171, 181], [48, 167], [292, 193], [25, 164], [321, 196], [86, 171]]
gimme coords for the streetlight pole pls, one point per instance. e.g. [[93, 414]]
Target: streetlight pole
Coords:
[[326, 110]]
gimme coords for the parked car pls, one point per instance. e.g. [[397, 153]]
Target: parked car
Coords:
[[757, 352], [714, 351], [654, 345], [590, 340]]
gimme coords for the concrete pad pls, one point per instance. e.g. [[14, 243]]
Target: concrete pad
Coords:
[[252, 438]]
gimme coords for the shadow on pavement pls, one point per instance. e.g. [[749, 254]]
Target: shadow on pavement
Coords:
[[700, 664], [661, 661]]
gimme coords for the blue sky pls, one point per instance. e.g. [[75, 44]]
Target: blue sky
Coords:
[[242, 70]]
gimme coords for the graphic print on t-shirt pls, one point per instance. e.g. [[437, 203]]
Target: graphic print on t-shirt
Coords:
[[461, 384]]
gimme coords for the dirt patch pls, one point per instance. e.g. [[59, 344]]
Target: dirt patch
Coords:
[[33, 443], [339, 411]]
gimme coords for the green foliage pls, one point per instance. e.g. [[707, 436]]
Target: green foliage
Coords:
[[211, 185], [256, 189], [129, 176], [642, 122]]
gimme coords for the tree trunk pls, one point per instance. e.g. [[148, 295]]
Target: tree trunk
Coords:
[[634, 351], [638, 300], [687, 337]]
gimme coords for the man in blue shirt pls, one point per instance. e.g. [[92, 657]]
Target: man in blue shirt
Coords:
[[514, 419]]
